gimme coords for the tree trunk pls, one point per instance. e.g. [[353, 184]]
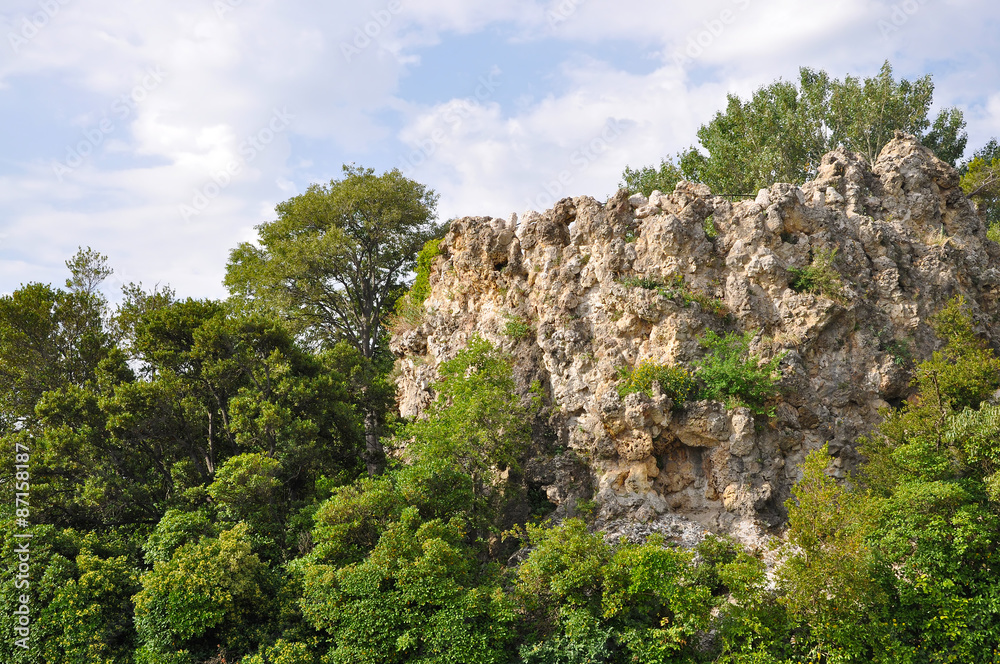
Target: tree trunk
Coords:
[[374, 454]]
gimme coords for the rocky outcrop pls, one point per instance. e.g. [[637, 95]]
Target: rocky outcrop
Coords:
[[907, 240]]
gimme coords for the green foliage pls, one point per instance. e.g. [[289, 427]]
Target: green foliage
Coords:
[[517, 327], [676, 289], [421, 287], [819, 277], [647, 179], [708, 225], [595, 602], [773, 137], [333, 261], [863, 114], [966, 372], [478, 422], [834, 582], [647, 283], [176, 528], [284, 652], [650, 597], [409, 310], [981, 182], [579, 638], [49, 339], [782, 132], [333, 264], [246, 488], [677, 383], [899, 566], [90, 614], [79, 593], [417, 597], [211, 594], [733, 374], [753, 627]]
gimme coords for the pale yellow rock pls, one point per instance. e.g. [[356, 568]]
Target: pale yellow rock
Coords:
[[597, 284]]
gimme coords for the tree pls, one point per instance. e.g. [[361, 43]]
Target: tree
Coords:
[[646, 179], [981, 183], [479, 425], [334, 261], [418, 597], [898, 564], [781, 133], [212, 597], [51, 338]]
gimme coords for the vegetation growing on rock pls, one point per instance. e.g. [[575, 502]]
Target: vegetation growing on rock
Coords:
[[204, 488]]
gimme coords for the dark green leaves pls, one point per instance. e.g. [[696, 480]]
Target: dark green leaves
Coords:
[[334, 260]]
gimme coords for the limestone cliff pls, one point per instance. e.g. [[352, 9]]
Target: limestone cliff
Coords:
[[907, 240]]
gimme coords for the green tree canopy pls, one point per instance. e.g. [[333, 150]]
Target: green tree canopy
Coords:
[[334, 263], [981, 182], [781, 133], [335, 259]]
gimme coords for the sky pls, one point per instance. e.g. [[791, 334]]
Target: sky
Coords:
[[161, 133]]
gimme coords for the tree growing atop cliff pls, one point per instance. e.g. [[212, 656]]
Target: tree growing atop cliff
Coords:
[[334, 261], [981, 182], [781, 133]]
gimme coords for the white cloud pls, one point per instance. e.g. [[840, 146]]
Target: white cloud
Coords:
[[186, 89]]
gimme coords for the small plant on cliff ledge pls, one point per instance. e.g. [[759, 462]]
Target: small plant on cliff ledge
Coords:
[[818, 277], [421, 287], [677, 288], [733, 374], [517, 328], [677, 383], [647, 283]]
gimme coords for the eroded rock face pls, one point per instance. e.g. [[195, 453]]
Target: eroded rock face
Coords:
[[907, 240]]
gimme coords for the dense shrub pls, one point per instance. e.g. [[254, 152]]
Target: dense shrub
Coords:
[[677, 383], [733, 374]]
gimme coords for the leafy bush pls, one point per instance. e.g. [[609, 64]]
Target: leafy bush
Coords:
[[421, 287], [733, 374], [819, 277], [677, 383], [517, 328], [592, 600], [647, 178]]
